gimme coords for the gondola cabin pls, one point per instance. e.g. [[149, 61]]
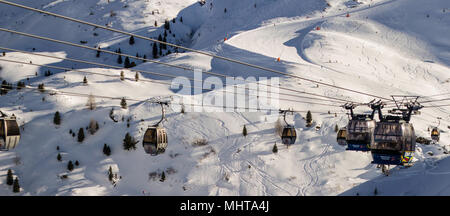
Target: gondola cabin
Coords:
[[289, 135], [395, 143], [155, 140], [435, 134], [360, 134], [342, 137], [9, 133]]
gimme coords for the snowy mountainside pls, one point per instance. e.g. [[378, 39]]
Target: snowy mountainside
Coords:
[[383, 47]]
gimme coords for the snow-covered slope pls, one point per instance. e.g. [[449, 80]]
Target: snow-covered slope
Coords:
[[383, 47]]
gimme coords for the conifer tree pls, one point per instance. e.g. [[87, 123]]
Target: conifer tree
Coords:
[[275, 148], [57, 118], [163, 177], [336, 128], [244, 131], [308, 119], [9, 177], [70, 166], [85, 80], [126, 64], [123, 103], [167, 25], [81, 135], [119, 60], [131, 41], [155, 51], [41, 87], [156, 23], [106, 150], [16, 186], [59, 157], [110, 174], [77, 163]]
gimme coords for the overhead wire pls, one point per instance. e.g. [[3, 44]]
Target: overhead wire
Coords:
[[149, 72], [158, 62], [191, 50]]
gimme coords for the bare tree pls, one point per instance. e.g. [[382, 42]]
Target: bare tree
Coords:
[[91, 102], [278, 127]]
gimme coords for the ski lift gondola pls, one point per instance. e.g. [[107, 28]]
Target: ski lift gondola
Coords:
[[289, 134], [342, 137], [155, 138], [395, 139], [435, 134], [359, 130], [9, 132]]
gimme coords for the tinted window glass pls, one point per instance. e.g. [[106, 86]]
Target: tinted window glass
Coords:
[[13, 128]]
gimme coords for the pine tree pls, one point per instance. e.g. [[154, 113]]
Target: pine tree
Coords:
[[156, 23], [16, 186], [164, 40], [41, 87], [375, 192], [123, 103], [85, 80], [122, 76], [59, 157], [136, 77], [98, 53], [167, 25], [155, 51], [70, 166], [119, 60], [126, 64], [106, 150], [163, 177], [225, 10], [144, 57], [77, 163], [181, 19], [57, 118], [131, 41], [244, 131], [308, 119], [20, 85], [129, 142], [80, 135], [275, 148], [336, 128], [110, 174], [9, 177]]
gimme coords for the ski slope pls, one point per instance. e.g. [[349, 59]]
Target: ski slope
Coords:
[[384, 47]]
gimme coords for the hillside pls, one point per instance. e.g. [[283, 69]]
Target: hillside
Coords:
[[383, 47]]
